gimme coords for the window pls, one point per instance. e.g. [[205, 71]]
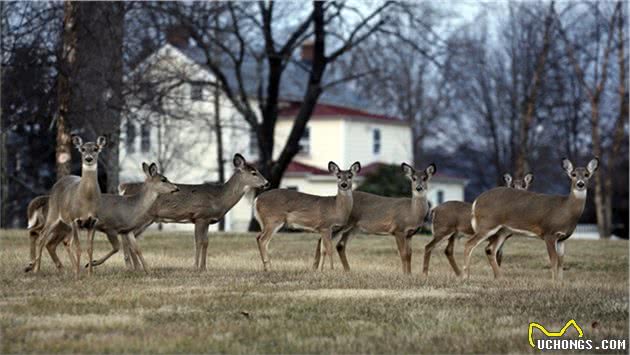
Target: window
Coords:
[[130, 140], [440, 196], [196, 91], [305, 141], [145, 137], [253, 143], [376, 141]]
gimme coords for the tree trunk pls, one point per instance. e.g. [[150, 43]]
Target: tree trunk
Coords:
[[219, 135], [529, 106], [603, 224], [96, 100], [63, 151]]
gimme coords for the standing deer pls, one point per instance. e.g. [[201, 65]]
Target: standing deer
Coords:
[[203, 204], [74, 202], [452, 218], [400, 217], [322, 214], [125, 214], [550, 217]]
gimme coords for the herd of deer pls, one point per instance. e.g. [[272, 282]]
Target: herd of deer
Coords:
[[77, 203]]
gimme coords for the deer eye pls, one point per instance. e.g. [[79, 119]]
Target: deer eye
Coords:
[[350, 176], [573, 174], [587, 174], [254, 173], [163, 179]]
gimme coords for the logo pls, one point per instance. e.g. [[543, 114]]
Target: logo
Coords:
[[538, 326]]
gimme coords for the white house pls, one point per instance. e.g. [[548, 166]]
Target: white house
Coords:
[[342, 129]]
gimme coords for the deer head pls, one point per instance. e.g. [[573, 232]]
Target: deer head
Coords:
[[419, 180], [249, 175], [156, 181], [89, 151], [344, 177]]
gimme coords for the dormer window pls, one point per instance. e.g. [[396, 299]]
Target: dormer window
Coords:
[[376, 141]]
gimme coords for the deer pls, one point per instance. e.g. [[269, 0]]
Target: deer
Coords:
[[125, 214], [452, 218], [36, 212], [73, 202], [325, 215], [397, 216], [202, 204], [552, 218]]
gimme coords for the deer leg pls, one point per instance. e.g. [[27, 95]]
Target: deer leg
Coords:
[[402, 250], [136, 250], [263, 240], [77, 247], [131, 264], [437, 238], [57, 236], [408, 251], [33, 236], [327, 239], [318, 255], [493, 248], [112, 237], [477, 238], [201, 234], [90, 235], [46, 235], [341, 248], [449, 251], [560, 248], [553, 255]]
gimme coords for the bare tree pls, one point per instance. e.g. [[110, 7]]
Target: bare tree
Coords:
[[593, 75]]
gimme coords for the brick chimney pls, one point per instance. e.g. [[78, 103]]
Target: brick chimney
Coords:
[[177, 36], [308, 48]]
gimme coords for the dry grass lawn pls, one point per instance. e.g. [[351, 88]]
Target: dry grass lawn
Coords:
[[235, 307]]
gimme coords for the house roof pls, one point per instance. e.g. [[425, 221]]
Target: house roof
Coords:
[[323, 110], [342, 96]]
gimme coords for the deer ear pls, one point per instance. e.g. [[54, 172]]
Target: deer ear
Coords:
[[507, 178], [430, 170], [528, 178], [567, 166], [356, 167], [238, 161], [332, 167], [77, 141], [101, 141], [145, 168], [407, 169], [153, 169], [592, 165]]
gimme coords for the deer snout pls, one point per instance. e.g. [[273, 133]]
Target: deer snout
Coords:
[[89, 159], [419, 188], [266, 185], [344, 185], [580, 184], [176, 189]]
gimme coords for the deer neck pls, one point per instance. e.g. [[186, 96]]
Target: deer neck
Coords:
[[343, 201], [418, 202], [142, 202], [576, 201], [88, 186], [233, 191]]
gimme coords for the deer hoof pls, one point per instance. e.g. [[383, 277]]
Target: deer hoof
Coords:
[[29, 268]]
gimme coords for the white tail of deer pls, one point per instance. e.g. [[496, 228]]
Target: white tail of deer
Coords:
[[322, 214], [550, 217], [400, 217], [452, 218]]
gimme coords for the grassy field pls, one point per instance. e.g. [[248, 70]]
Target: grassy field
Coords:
[[235, 307]]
